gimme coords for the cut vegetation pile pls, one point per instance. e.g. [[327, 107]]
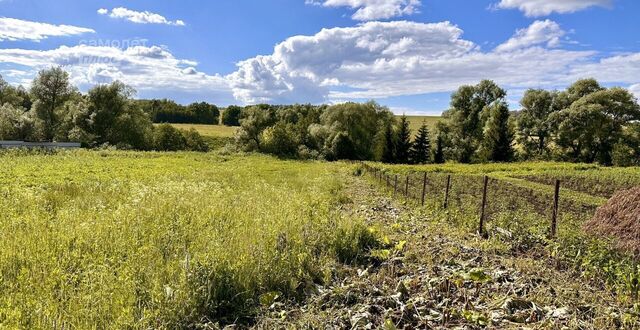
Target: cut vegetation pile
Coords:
[[620, 218]]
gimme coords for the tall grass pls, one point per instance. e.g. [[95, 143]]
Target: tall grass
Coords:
[[147, 240]]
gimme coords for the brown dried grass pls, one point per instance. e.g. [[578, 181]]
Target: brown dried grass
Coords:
[[619, 218]]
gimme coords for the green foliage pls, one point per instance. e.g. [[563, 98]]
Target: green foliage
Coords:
[[389, 153], [498, 134], [168, 111], [588, 130], [50, 90], [467, 117], [344, 131], [534, 124], [195, 141], [168, 138], [231, 115], [403, 141], [421, 148]]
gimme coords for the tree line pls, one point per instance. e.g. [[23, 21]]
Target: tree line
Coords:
[[54, 110], [584, 123]]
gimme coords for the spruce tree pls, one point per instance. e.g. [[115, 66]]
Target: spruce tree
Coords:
[[498, 134], [389, 154], [438, 155], [403, 144], [421, 148]]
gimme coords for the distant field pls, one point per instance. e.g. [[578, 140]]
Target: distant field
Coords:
[[209, 130], [416, 122]]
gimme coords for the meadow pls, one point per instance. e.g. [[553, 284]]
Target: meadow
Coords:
[[117, 239], [106, 239], [416, 121]]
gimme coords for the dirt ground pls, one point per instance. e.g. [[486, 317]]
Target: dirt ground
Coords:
[[435, 276]]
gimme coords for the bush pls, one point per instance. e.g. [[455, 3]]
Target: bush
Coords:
[[168, 138], [231, 115], [195, 141]]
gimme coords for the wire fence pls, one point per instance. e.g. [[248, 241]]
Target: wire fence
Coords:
[[490, 201]]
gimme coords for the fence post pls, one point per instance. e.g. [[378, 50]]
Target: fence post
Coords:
[[424, 186], [554, 216], [484, 204], [406, 187], [395, 186], [446, 191], [388, 184]]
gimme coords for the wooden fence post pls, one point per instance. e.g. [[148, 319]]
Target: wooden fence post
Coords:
[[554, 216], [424, 186], [395, 186], [446, 192], [406, 188], [484, 204]]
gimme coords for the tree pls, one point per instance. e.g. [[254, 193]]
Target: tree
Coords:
[[534, 126], [195, 141], [231, 115], [468, 115], [106, 104], [421, 148], [168, 138], [50, 89], [256, 119], [204, 113], [498, 134], [9, 94], [15, 124], [389, 154], [403, 141], [588, 130], [438, 155]]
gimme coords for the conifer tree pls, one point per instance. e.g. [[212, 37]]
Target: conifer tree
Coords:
[[438, 154], [498, 134], [389, 154], [403, 144], [421, 148]]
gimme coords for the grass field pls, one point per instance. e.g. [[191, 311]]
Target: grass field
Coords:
[[416, 121], [107, 239], [147, 240], [221, 131], [210, 130]]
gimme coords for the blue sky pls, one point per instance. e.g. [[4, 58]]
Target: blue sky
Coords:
[[406, 54]]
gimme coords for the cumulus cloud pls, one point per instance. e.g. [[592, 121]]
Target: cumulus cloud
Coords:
[[16, 29], [534, 8], [140, 17], [369, 10], [145, 68], [539, 33], [635, 89], [385, 59]]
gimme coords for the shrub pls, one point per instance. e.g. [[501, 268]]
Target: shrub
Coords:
[[168, 138]]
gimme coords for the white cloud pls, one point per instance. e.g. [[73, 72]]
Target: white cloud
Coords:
[[385, 59], [369, 10], [534, 8], [140, 17], [16, 29], [145, 68], [539, 33], [635, 89]]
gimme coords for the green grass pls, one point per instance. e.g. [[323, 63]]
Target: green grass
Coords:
[[103, 239], [416, 121], [210, 130]]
